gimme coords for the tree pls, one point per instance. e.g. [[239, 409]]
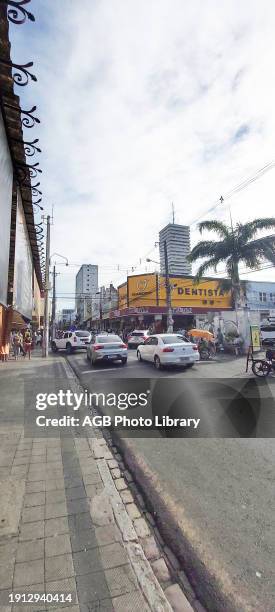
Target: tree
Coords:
[[236, 244]]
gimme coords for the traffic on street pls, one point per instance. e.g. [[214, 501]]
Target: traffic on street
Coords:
[[137, 306]]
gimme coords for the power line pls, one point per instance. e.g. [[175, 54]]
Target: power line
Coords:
[[239, 187]]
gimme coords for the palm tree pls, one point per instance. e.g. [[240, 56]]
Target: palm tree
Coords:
[[236, 244]]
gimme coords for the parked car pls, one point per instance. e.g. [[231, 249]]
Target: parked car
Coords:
[[138, 336], [71, 340], [106, 348], [168, 350], [267, 334]]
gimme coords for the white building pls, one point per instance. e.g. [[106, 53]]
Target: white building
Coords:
[[86, 286], [177, 239], [68, 316]]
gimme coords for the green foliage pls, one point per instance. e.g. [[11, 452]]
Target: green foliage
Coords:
[[236, 244]]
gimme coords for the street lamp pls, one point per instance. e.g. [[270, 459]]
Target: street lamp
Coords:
[[54, 289], [153, 261]]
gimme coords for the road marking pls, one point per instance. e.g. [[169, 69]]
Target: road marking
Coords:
[[98, 371], [118, 368]]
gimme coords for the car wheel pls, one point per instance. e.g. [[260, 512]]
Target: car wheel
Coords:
[[124, 360], [189, 365], [157, 363], [54, 347], [139, 356], [69, 348]]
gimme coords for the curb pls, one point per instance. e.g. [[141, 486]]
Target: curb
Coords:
[[132, 529]]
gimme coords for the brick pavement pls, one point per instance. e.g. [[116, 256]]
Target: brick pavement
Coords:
[[48, 539]]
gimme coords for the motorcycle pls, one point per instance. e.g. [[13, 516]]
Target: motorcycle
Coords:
[[263, 367]]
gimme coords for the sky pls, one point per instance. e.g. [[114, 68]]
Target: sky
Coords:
[[143, 104]]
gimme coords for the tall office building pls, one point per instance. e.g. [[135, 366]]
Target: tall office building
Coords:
[[177, 239], [86, 286]]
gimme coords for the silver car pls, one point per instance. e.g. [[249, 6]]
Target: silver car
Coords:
[[136, 337], [106, 348]]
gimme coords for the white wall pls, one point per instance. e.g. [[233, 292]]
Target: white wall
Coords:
[[6, 179], [22, 296]]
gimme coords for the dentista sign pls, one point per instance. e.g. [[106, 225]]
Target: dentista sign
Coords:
[[149, 290]]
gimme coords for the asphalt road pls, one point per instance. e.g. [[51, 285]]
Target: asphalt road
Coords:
[[221, 367], [222, 489]]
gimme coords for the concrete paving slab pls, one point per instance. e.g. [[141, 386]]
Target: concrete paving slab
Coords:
[[30, 515], [57, 545], [12, 493], [121, 580], [56, 526], [59, 567], [29, 551], [92, 587], [28, 572]]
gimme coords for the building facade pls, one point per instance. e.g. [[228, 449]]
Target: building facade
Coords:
[[21, 281], [67, 316], [141, 302], [86, 287], [260, 297], [177, 239], [105, 301]]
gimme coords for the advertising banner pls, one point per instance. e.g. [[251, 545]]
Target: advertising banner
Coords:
[[185, 294], [255, 338], [23, 300], [142, 290], [149, 291], [6, 179], [122, 296]]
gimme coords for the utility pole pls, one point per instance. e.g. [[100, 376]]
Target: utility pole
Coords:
[[45, 344], [170, 322], [54, 302]]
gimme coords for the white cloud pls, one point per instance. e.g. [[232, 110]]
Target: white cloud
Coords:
[[141, 104]]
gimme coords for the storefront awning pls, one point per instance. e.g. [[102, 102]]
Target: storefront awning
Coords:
[[18, 321]]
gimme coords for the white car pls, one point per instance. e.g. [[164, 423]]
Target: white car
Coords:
[[267, 334], [138, 336], [71, 340], [106, 348], [168, 350]]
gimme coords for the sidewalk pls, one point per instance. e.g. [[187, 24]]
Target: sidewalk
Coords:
[[57, 529]]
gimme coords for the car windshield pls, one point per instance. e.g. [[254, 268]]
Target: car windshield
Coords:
[[173, 339], [82, 334], [107, 339]]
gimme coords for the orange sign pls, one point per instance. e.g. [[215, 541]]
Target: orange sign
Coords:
[[142, 290], [122, 296], [184, 292]]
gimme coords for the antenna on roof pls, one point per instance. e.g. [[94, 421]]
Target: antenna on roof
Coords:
[[173, 213]]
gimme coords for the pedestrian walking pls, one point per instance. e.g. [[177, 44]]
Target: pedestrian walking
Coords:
[[16, 345], [21, 344], [28, 343], [212, 348]]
